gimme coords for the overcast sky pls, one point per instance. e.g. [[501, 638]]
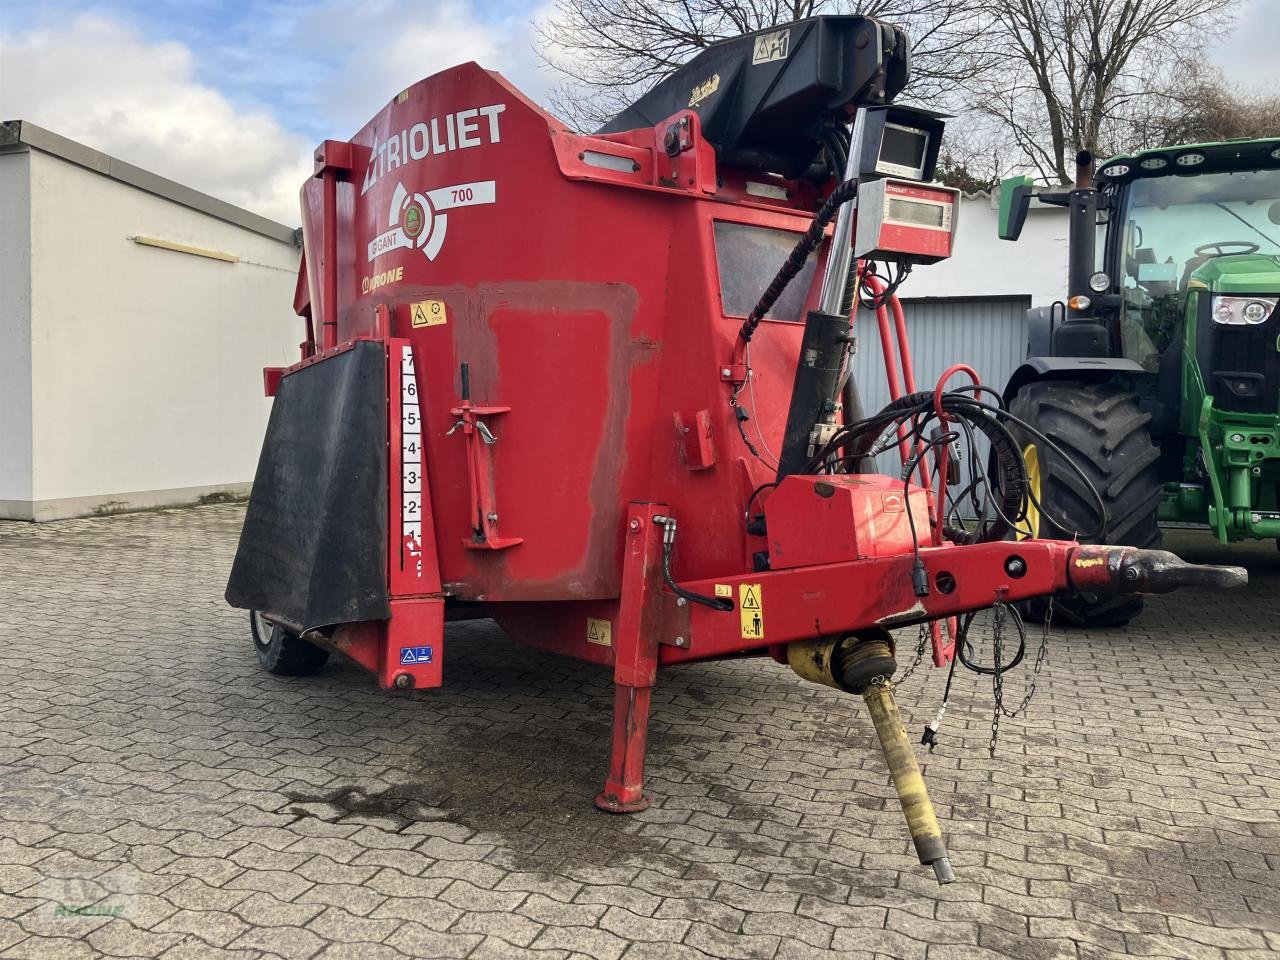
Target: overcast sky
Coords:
[[229, 96]]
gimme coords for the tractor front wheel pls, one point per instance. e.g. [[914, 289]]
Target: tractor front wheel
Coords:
[[283, 653], [1101, 428]]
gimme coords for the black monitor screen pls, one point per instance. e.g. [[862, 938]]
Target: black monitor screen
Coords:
[[903, 147]]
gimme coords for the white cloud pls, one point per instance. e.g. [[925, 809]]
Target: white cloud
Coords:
[[168, 107], [387, 45], [100, 82]]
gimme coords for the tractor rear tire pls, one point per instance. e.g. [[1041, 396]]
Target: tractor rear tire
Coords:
[[1102, 429], [283, 653]]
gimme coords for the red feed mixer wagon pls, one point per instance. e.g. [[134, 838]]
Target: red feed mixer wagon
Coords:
[[597, 388]]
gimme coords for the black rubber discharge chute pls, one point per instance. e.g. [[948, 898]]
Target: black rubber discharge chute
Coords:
[[313, 548]]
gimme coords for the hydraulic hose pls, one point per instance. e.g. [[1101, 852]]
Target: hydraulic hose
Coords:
[[808, 242], [1008, 457]]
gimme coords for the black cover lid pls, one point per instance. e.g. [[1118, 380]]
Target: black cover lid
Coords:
[[763, 96]]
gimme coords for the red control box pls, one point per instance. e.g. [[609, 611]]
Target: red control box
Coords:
[[838, 517], [905, 221]]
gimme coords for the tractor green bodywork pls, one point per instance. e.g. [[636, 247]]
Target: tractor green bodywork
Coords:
[[1232, 456], [1212, 387]]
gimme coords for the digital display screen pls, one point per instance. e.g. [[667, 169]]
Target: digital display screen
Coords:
[[922, 214], [903, 147]]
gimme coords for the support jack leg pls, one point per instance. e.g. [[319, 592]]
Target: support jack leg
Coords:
[[635, 660], [624, 788]]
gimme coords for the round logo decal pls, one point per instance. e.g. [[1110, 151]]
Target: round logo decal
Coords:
[[414, 220]]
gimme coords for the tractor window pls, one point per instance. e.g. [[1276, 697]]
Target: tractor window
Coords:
[[1172, 226]]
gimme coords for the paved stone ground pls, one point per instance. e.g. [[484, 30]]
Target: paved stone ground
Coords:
[[206, 809]]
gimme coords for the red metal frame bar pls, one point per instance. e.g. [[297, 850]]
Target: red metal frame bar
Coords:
[[800, 603]]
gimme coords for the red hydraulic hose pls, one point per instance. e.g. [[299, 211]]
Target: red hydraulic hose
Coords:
[[908, 378]]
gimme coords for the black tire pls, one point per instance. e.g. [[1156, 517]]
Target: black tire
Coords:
[[282, 653], [1102, 429]]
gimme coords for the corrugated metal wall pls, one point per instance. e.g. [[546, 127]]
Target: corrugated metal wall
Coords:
[[989, 335]]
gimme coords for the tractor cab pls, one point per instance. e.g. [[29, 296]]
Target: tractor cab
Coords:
[[1211, 240], [1168, 339]]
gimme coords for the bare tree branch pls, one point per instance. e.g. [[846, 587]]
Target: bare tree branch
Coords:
[[609, 52], [1069, 75]]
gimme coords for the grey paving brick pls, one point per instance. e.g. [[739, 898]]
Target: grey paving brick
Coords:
[[424, 912], [718, 943], [52, 948], [417, 940], [210, 926], [362, 951], [553, 912], [513, 928], [262, 909], [121, 939], [589, 940], [1132, 811], [293, 943]]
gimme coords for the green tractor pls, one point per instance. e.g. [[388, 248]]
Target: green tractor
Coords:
[[1158, 375]]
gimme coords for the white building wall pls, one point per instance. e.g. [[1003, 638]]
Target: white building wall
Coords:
[[15, 330], [985, 266], [146, 364]]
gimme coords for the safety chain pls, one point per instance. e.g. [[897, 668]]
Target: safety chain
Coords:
[[925, 634], [997, 678]]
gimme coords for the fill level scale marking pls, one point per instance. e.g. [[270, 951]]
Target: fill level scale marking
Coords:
[[410, 462]]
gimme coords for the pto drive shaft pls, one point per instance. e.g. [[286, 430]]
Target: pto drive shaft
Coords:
[[912, 794], [864, 665]]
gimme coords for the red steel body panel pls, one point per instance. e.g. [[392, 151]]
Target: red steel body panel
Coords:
[[590, 308]]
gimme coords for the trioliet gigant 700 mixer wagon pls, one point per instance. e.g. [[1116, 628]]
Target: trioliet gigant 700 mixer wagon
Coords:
[[545, 375]]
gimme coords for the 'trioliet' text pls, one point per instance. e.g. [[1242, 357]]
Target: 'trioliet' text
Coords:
[[454, 131]]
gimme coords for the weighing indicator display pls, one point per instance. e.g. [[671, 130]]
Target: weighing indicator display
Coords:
[[916, 213]]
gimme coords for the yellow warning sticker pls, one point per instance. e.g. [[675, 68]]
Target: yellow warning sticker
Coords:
[[724, 590], [751, 611], [599, 631], [427, 313]]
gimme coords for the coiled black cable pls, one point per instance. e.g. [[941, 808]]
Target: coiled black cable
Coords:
[[808, 242], [964, 649], [877, 433]]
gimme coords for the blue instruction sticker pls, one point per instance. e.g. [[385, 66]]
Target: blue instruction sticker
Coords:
[[410, 655]]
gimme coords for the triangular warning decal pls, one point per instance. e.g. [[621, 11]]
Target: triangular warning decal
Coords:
[[751, 611]]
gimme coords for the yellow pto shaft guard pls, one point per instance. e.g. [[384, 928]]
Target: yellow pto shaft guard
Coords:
[[865, 665]]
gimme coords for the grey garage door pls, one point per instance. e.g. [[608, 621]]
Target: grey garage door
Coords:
[[988, 334]]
